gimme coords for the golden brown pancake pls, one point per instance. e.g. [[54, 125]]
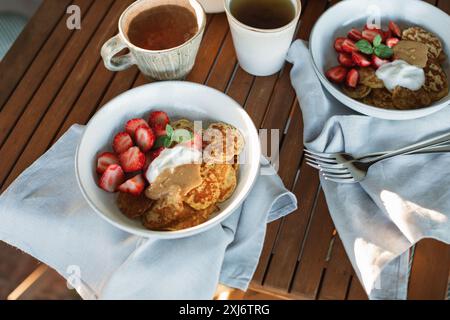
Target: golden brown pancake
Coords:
[[436, 82], [221, 143], [226, 175], [132, 206], [368, 77], [405, 99], [183, 124], [425, 37], [207, 193], [194, 218], [359, 92], [382, 98]]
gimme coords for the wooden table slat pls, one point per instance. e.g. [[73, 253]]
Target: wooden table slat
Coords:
[[356, 291], [338, 273], [55, 110], [46, 62], [36, 33], [309, 271], [430, 271]]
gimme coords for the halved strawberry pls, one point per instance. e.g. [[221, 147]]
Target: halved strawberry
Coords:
[[370, 35], [336, 74], [392, 42], [158, 118], [133, 124], [122, 142], [104, 160], [338, 44], [345, 60], [352, 78], [349, 46], [360, 60], [134, 186], [159, 130], [145, 138], [355, 34], [112, 178], [378, 62], [387, 34], [132, 160], [395, 29]]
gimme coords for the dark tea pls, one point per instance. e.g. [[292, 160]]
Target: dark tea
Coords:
[[162, 27], [263, 14]]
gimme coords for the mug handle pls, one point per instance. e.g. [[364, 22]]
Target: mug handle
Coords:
[[112, 47]]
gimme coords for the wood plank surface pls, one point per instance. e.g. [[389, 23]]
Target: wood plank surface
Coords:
[[18, 59], [54, 78]]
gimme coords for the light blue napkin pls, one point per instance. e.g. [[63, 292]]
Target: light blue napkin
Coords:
[[402, 200], [44, 214]]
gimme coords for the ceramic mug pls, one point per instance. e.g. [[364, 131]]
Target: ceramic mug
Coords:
[[170, 64], [262, 52]]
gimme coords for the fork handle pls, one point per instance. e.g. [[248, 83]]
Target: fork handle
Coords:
[[414, 147]]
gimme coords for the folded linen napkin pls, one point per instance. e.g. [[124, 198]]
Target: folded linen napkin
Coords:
[[44, 214], [401, 201]]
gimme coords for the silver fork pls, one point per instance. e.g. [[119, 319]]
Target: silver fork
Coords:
[[344, 168]]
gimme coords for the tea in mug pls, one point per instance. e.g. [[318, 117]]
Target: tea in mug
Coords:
[[263, 14], [163, 27]]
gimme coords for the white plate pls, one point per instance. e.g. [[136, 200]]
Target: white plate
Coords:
[[340, 18], [179, 100]]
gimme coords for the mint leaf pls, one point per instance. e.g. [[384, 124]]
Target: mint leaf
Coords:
[[169, 131], [384, 51], [377, 41], [364, 46], [162, 141]]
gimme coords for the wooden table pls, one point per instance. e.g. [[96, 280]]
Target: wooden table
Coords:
[[53, 77]]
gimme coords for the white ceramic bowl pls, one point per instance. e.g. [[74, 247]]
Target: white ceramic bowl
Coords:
[[179, 100], [340, 18]]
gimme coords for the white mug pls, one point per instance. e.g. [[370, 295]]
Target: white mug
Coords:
[[170, 64], [262, 52]]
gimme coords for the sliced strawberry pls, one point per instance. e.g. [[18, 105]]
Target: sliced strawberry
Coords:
[[360, 60], [336, 74], [112, 178], [133, 124], [122, 142], [387, 34], [159, 130], [395, 29], [158, 118], [145, 138], [134, 186], [378, 62], [392, 42], [338, 44], [132, 160], [349, 46], [355, 34], [104, 160], [345, 60], [370, 35], [352, 78]]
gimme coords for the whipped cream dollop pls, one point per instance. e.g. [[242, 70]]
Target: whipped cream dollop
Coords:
[[172, 158], [400, 73]]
